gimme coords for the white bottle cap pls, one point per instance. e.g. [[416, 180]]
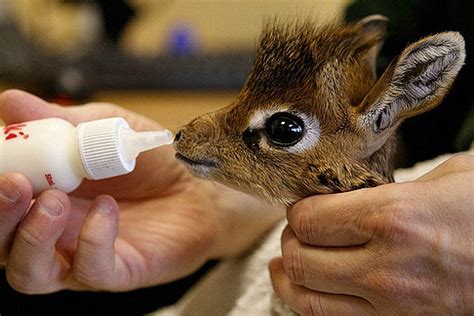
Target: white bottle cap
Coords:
[[108, 147]]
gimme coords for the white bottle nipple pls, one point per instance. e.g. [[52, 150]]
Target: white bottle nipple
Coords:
[[134, 143], [108, 147]]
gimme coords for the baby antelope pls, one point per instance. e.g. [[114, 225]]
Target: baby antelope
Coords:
[[312, 116]]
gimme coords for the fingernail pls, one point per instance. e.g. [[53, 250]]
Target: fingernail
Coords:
[[103, 206], [51, 205], [9, 192]]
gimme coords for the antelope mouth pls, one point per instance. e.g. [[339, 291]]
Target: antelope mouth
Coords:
[[195, 163]]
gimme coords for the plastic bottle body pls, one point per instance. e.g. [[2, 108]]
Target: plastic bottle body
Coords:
[[53, 154], [45, 151]]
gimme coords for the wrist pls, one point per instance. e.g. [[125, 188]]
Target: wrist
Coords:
[[243, 220]]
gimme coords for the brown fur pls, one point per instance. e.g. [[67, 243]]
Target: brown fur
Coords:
[[327, 74]]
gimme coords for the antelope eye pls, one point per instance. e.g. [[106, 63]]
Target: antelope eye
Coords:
[[284, 129]]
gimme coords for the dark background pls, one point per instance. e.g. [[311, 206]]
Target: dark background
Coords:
[[450, 126]]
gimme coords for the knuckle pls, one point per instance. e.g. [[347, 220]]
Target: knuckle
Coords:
[[311, 304], [381, 284], [395, 216], [31, 237], [294, 266], [83, 269], [86, 274], [390, 286], [304, 222], [89, 242]]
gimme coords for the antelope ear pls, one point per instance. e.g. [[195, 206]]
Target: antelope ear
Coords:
[[372, 31], [413, 83]]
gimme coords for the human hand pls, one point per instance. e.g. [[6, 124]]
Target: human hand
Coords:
[[168, 225], [405, 248]]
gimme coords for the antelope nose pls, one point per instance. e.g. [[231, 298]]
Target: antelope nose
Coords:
[[178, 136]]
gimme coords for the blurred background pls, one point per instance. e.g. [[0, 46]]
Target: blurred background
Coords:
[[74, 48], [174, 59]]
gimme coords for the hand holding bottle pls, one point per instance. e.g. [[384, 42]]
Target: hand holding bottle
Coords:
[[170, 223], [53, 154]]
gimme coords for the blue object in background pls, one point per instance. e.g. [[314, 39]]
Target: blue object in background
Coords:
[[182, 40]]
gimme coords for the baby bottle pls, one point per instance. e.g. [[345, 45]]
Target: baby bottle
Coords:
[[52, 153]]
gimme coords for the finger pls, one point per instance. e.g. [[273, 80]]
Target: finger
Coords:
[[326, 269], [34, 265], [15, 198], [308, 302], [457, 163], [335, 219], [96, 263], [20, 106]]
